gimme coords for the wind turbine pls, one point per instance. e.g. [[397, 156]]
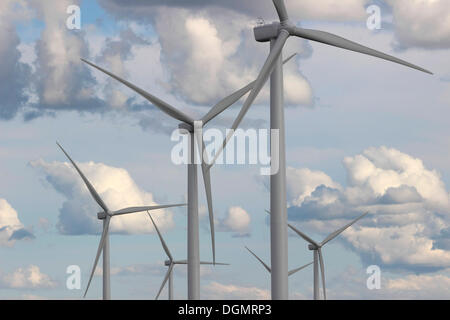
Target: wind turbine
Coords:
[[290, 273], [106, 216], [194, 129], [277, 34], [316, 247], [170, 263]]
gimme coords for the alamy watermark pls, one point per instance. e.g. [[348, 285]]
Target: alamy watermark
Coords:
[[251, 146], [73, 21], [374, 19], [73, 281], [374, 280]]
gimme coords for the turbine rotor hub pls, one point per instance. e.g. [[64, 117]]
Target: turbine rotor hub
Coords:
[[102, 215]]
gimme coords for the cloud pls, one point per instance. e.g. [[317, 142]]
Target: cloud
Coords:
[[211, 53], [310, 180], [237, 220], [78, 214], [352, 284], [14, 74], [307, 9], [27, 278], [422, 23], [218, 291], [11, 228], [435, 286], [409, 207], [61, 79], [22, 234]]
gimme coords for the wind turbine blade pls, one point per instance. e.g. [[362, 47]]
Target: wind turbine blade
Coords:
[[165, 280], [162, 105], [163, 243], [301, 234], [281, 10], [298, 269], [232, 99], [322, 272], [99, 250], [93, 192], [339, 231], [304, 236], [259, 83], [262, 262], [140, 209], [336, 41], [180, 262], [207, 182]]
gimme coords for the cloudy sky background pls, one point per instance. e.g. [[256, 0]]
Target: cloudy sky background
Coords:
[[362, 135]]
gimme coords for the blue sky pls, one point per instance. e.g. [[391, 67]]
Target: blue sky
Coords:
[[362, 134]]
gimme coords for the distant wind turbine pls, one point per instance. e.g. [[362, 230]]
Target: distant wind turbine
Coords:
[[106, 216], [192, 126], [317, 253], [170, 263]]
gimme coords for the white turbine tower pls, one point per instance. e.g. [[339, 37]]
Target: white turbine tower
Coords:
[[277, 33], [170, 263], [194, 128], [316, 247], [290, 273], [106, 216]]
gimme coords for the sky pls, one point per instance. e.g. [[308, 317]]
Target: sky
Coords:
[[362, 135]]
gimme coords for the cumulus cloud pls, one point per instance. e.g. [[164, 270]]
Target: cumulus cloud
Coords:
[[352, 284], [211, 53], [11, 228], [78, 214], [422, 23], [27, 278], [409, 207], [219, 291], [13, 72], [337, 10], [237, 220], [62, 80]]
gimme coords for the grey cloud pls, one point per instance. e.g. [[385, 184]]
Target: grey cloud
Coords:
[[22, 234], [402, 194], [14, 74]]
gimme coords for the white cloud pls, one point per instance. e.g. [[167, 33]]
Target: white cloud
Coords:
[[434, 286], [352, 284], [78, 214], [302, 182], [58, 56], [237, 220], [27, 278], [337, 10], [210, 54], [409, 206], [422, 23], [218, 291], [11, 228]]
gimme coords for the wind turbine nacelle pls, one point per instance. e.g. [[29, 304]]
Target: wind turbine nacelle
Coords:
[[312, 247], [266, 32], [101, 215], [183, 127], [167, 263]]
